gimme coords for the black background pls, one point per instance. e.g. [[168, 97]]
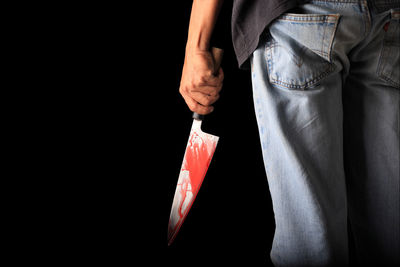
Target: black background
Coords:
[[231, 221], [124, 132]]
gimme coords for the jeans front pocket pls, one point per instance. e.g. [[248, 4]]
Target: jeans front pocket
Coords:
[[299, 49], [389, 62]]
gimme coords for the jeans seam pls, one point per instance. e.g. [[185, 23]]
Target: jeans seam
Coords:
[[384, 54], [309, 18], [367, 17], [381, 62]]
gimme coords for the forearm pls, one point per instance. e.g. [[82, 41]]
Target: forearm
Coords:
[[201, 75], [202, 21]]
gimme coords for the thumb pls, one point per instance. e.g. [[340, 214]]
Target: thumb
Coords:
[[217, 55]]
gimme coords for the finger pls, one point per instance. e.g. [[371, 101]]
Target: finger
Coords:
[[204, 99], [209, 79], [197, 107], [220, 74], [217, 78], [207, 90]]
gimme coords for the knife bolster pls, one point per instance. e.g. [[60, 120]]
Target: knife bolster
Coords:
[[197, 116]]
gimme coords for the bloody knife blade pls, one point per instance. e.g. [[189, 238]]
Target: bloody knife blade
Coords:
[[199, 152]]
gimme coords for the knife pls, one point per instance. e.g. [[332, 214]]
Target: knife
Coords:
[[199, 152]]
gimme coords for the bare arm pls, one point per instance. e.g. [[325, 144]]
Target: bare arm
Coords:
[[201, 82]]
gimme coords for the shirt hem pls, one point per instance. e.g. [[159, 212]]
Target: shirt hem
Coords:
[[248, 47]]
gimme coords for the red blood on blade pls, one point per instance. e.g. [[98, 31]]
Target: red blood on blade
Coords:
[[198, 155]]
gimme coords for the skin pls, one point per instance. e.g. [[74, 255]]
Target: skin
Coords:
[[201, 81]]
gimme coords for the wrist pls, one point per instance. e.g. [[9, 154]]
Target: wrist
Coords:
[[198, 44], [196, 49]]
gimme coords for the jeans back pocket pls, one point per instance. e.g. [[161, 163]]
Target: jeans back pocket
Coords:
[[299, 50], [389, 62]]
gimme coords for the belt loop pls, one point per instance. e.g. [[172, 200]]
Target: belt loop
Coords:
[[366, 9], [372, 6]]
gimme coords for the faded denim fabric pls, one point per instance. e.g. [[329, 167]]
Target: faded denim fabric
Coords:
[[326, 94]]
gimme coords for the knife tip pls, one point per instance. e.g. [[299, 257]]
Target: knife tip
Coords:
[[171, 237]]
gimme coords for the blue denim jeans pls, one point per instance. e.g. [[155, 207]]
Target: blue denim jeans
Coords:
[[326, 94]]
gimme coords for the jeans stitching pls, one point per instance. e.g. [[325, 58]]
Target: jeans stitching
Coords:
[[268, 52], [330, 68], [382, 62], [323, 19], [384, 55], [309, 18]]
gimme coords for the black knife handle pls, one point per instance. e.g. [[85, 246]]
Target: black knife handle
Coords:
[[197, 116]]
